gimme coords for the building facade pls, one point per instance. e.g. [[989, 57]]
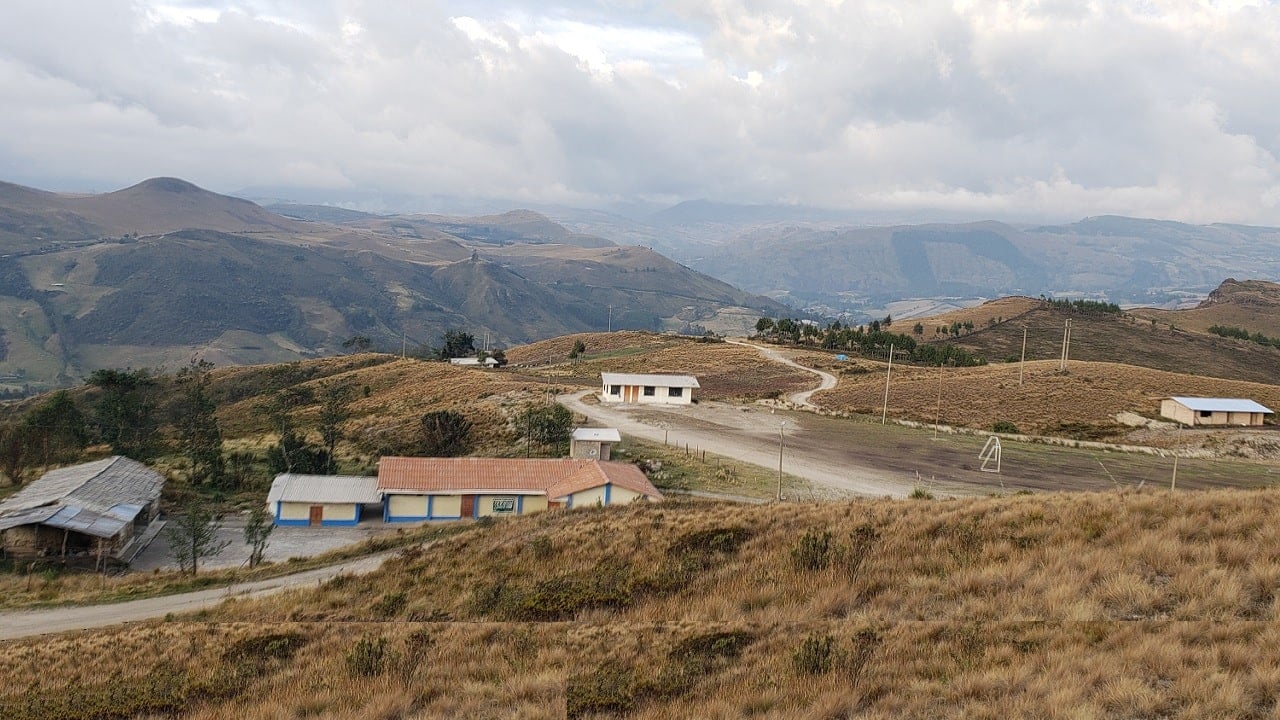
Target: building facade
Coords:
[[1197, 411], [641, 389]]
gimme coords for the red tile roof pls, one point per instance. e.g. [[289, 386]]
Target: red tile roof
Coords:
[[555, 477]]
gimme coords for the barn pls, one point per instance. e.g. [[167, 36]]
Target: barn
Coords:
[[1198, 411], [416, 489], [321, 500], [96, 511], [647, 389]]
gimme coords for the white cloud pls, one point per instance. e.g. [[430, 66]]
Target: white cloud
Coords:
[[1060, 109]]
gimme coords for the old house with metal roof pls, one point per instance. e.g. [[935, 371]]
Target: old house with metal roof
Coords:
[[105, 509], [327, 500], [435, 488], [1214, 411], [645, 389]]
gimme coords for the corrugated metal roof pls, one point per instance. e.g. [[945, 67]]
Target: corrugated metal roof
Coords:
[[98, 486], [556, 477], [688, 381], [324, 489], [597, 435], [1238, 405]]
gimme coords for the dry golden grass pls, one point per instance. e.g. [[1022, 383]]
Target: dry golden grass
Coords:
[[1248, 304], [621, 342], [1000, 309], [1089, 393], [1111, 605]]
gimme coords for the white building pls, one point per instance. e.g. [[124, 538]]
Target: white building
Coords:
[[593, 443], [1213, 411], [321, 500], [648, 389]]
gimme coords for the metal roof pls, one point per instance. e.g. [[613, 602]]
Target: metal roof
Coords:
[[688, 381], [324, 489], [100, 486], [597, 435], [1237, 405]]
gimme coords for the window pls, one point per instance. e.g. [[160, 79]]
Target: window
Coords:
[[615, 389], [1206, 413], [675, 392], [650, 390]]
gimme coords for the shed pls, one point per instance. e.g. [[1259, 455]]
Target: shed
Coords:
[[321, 500], [101, 509], [647, 389], [1213, 411], [452, 488], [593, 443]]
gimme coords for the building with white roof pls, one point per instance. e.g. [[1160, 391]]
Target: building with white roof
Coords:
[[326, 500], [593, 443], [647, 389], [1213, 411]]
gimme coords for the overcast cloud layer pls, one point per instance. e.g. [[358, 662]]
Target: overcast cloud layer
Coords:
[[1057, 109]]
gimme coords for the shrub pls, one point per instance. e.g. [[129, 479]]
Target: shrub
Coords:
[[608, 690], [693, 658], [815, 656], [542, 547], [813, 552], [920, 494], [1004, 426], [368, 657]]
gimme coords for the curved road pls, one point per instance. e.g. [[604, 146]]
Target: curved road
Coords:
[[750, 434], [800, 399], [26, 623]]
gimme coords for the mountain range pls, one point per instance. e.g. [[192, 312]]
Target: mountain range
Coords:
[[157, 273]]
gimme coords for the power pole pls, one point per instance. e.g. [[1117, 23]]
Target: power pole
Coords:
[[1066, 345], [938, 420], [610, 318], [884, 414], [1022, 363], [402, 344], [781, 428]]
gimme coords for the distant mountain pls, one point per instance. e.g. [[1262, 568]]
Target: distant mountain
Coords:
[[200, 273]]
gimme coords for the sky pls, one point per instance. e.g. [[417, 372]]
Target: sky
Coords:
[[1053, 109]]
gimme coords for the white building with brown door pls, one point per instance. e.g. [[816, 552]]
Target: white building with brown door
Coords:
[[645, 389], [1213, 411]]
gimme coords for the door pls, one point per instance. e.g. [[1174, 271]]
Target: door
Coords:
[[317, 514], [468, 505]]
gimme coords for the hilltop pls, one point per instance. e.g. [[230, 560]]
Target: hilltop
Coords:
[[1113, 604], [1253, 305]]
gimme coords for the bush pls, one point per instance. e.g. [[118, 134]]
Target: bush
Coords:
[[368, 658], [608, 690], [1004, 426], [813, 552], [920, 494], [816, 655]]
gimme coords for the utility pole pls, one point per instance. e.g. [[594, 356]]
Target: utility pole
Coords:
[[1022, 363], [610, 318], [781, 428], [938, 420], [884, 414], [402, 344], [1066, 345]]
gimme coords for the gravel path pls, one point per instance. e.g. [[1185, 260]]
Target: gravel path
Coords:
[[799, 399], [26, 623]]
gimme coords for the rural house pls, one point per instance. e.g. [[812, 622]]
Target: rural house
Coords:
[[593, 443], [648, 389], [437, 488], [1213, 411], [321, 500], [105, 509]]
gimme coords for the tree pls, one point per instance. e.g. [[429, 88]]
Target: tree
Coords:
[[256, 531], [55, 430], [500, 356], [457, 344], [764, 325], [357, 343], [333, 413], [125, 412], [198, 427], [546, 424], [918, 329], [579, 347], [446, 433], [193, 534], [16, 451], [292, 453]]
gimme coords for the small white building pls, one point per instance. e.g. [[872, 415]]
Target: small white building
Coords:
[[1213, 411], [474, 362], [648, 389], [321, 500], [593, 443]]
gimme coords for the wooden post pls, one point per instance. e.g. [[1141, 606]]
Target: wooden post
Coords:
[[1023, 361], [884, 414]]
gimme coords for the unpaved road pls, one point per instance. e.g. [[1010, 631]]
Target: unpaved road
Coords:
[[26, 623], [799, 399]]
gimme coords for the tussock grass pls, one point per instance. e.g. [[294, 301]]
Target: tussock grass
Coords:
[[1109, 605]]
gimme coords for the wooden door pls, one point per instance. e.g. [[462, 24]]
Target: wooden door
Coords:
[[468, 505], [317, 514]]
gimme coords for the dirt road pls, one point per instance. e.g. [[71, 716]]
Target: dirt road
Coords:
[[55, 620], [799, 399]]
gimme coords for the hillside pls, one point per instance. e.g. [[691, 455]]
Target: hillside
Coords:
[[1110, 605], [1253, 305], [205, 274]]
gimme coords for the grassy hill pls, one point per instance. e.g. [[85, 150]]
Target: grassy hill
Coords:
[[1112, 605], [1250, 304]]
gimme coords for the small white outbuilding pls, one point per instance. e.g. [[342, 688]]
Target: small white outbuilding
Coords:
[[321, 500]]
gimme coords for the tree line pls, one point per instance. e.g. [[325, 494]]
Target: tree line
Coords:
[[872, 340], [1229, 331]]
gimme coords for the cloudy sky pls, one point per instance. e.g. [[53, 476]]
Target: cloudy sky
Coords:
[[1055, 109]]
